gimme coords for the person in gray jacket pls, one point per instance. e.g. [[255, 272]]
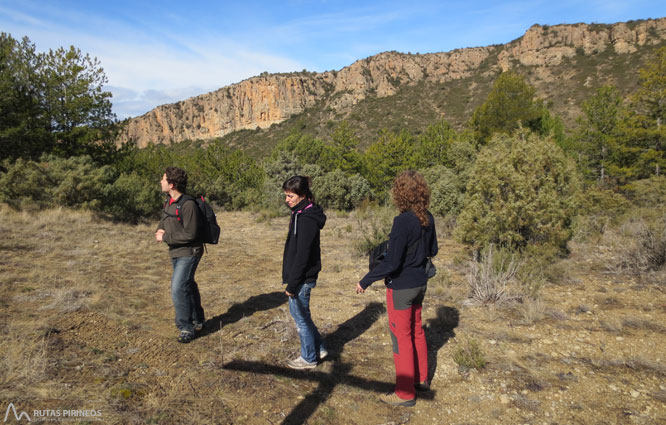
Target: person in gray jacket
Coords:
[[178, 228]]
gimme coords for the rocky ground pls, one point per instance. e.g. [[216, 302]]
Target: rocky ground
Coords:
[[87, 326]]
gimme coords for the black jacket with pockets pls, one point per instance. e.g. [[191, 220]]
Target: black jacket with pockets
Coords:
[[404, 267], [301, 262]]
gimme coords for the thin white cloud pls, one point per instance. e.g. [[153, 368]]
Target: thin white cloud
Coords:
[[155, 68], [20, 17], [154, 52]]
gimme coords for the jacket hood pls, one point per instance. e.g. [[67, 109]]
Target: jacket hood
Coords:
[[307, 210]]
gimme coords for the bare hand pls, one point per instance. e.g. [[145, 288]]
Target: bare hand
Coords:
[[288, 294], [159, 235], [359, 289]]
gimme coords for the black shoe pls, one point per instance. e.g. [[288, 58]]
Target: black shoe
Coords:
[[423, 386], [185, 337]]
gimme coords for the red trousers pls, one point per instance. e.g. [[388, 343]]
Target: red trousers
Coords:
[[410, 352]]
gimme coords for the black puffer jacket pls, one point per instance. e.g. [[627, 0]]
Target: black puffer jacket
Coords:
[[302, 255]]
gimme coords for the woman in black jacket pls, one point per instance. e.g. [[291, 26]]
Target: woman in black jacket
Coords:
[[412, 240], [301, 265]]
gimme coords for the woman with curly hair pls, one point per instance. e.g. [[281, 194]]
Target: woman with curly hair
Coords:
[[412, 240]]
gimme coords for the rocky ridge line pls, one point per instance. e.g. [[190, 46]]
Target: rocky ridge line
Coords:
[[272, 98]]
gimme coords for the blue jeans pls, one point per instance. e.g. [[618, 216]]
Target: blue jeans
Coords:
[[185, 293], [299, 307]]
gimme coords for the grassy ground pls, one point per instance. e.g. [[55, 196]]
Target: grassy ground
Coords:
[[87, 324]]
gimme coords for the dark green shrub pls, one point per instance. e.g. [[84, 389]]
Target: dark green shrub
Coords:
[[510, 105], [469, 355], [447, 190], [226, 176], [132, 197], [648, 193], [521, 191], [374, 225], [388, 156], [81, 182], [433, 146], [306, 148], [54, 181], [277, 170], [599, 208], [339, 191], [24, 185]]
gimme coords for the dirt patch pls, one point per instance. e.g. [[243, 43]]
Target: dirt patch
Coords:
[[87, 324]]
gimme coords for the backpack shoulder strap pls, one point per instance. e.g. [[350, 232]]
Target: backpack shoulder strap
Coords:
[[183, 198]]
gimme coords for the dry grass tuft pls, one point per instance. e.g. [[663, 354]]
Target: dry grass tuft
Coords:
[[638, 247], [613, 325], [660, 396], [532, 310], [636, 363], [644, 324], [522, 402], [24, 360]]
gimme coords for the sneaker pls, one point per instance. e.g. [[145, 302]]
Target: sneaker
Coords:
[[301, 363], [323, 353], [423, 386], [185, 337], [392, 399]]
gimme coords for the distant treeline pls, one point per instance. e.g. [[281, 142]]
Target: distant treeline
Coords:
[[513, 176]]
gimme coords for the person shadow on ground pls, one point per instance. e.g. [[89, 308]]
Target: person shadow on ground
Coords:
[[438, 331], [340, 372], [248, 307]]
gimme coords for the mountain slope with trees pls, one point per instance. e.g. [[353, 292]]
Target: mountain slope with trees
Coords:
[[394, 91]]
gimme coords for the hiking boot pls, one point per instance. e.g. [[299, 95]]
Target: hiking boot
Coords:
[[301, 363], [185, 337], [323, 353], [422, 386], [392, 399]]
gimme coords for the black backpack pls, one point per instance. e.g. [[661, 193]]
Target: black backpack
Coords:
[[377, 254], [209, 230]]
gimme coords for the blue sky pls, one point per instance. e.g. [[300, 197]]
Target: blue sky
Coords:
[[156, 52]]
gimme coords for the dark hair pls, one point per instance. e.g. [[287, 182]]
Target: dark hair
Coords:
[[410, 192], [177, 177], [300, 185]]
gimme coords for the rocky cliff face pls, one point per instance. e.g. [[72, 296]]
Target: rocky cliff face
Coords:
[[268, 99]]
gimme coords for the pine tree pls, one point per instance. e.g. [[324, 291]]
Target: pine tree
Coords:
[[511, 104]]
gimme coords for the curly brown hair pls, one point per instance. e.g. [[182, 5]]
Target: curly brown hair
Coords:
[[410, 192]]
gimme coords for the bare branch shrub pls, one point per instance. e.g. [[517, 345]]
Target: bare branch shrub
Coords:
[[489, 276]]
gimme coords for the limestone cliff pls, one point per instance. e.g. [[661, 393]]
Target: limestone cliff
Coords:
[[271, 98]]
